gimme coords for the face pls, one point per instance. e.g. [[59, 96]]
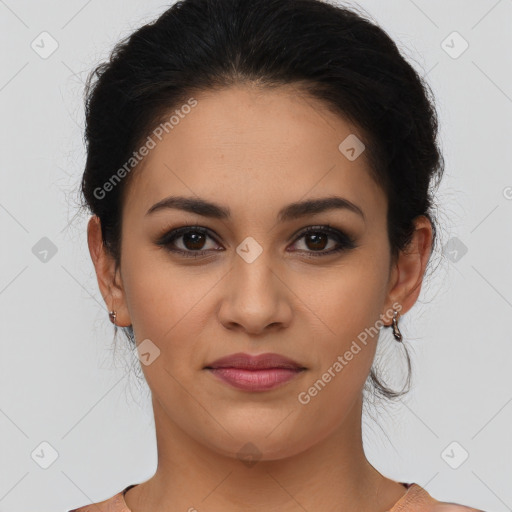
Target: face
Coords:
[[246, 278]]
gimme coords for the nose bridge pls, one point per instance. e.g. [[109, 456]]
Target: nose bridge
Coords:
[[253, 278], [256, 297]]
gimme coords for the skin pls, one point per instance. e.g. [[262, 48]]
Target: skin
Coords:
[[255, 151]]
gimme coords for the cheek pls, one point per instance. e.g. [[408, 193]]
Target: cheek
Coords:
[[344, 322], [347, 302], [168, 304], [153, 290]]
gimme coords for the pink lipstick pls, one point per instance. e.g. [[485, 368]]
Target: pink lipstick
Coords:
[[255, 373]]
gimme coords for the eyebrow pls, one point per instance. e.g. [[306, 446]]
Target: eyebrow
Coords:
[[290, 212]]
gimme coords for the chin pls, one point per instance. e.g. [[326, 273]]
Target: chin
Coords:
[[258, 444]]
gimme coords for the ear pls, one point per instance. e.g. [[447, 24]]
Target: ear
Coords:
[[409, 268], [109, 279]]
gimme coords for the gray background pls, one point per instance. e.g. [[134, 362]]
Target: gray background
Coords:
[[61, 380]]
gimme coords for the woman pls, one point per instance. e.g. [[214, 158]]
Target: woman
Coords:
[[260, 176]]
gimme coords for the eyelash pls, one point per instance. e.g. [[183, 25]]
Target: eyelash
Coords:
[[345, 242]]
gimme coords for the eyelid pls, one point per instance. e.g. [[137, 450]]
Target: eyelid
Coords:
[[327, 228], [175, 233]]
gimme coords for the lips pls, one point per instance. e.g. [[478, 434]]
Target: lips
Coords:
[[260, 362], [255, 373]]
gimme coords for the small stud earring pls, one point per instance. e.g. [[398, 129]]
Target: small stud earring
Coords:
[[112, 315]]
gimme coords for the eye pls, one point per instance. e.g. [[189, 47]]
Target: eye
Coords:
[[191, 238], [190, 241], [316, 238]]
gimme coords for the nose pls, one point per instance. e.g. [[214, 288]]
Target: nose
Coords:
[[256, 298]]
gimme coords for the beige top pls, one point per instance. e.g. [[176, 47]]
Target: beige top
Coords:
[[415, 499]]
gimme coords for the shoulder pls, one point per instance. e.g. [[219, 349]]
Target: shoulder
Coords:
[[114, 504], [417, 499]]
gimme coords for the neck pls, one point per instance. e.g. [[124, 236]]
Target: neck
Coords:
[[332, 475]]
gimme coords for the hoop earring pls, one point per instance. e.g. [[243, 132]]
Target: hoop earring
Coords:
[[396, 331], [112, 314]]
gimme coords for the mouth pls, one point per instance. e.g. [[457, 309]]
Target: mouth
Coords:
[[255, 373], [266, 361]]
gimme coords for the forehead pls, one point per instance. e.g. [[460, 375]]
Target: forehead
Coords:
[[254, 149]]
